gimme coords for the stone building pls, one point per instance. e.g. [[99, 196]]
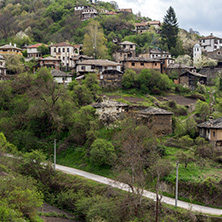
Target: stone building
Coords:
[[62, 78], [212, 131], [50, 62], [10, 49], [2, 67], [158, 120], [127, 50], [190, 79]]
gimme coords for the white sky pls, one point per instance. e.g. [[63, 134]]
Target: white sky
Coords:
[[203, 16]]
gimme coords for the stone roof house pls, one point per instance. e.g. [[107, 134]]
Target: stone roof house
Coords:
[[61, 77], [212, 131], [110, 110], [141, 27], [127, 50], [158, 120], [10, 49], [50, 62], [32, 51]]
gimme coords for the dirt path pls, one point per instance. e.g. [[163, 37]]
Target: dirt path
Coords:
[[62, 216]]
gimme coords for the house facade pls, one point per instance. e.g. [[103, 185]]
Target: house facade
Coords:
[[61, 77], [190, 79], [127, 50], [63, 51], [97, 66], [212, 130], [32, 51], [10, 49], [139, 63], [141, 27], [50, 62], [210, 43], [158, 120]]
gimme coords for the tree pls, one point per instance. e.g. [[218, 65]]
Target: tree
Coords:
[[170, 29], [14, 64], [43, 49], [184, 59], [94, 41], [102, 152], [128, 80]]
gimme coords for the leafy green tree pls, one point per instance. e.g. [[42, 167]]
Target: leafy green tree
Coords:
[[128, 79], [102, 152], [170, 29], [43, 50], [94, 43], [184, 59], [14, 63]]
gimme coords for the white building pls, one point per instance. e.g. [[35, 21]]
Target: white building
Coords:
[[61, 77], [2, 66], [64, 51], [210, 43], [96, 66], [32, 51]]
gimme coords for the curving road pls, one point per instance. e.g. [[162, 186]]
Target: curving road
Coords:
[[148, 194]]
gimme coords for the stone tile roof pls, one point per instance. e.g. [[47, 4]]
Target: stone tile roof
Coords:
[[36, 45], [109, 103], [155, 111], [179, 66], [61, 44], [127, 43], [7, 46], [142, 59], [58, 73], [212, 124], [49, 58], [99, 62], [194, 74]]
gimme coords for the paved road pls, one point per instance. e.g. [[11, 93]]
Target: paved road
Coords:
[[151, 195]]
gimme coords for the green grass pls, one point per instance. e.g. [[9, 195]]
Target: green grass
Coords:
[[76, 158]]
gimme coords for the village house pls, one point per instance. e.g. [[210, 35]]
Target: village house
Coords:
[[212, 131], [128, 10], [216, 55], [111, 79], [127, 50], [32, 51], [210, 43], [9, 49], [158, 120], [141, 27], [61, 77], [139, 63], [191, 79], [178, 68], [64, 52], [85, 12], [97, 66], [79, 58], [155, 24], [50, 62], [110, 110], [2, 68]]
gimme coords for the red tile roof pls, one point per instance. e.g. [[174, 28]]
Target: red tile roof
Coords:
[[36, 45]]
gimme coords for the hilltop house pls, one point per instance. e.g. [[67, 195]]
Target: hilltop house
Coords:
[[127, 50], [50, 62], [158, 120], [97, 66], [210, 43], [61, 77], [212, 131], [141, 27], [139, 63], [85, 12], [9, 49], [32, 51], [190, 79], [64, 52], [155, 24]]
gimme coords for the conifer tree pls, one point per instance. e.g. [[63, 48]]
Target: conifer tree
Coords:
[[170, 29]]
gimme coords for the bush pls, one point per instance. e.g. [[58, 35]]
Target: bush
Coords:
[[186, 141], [102, 152]]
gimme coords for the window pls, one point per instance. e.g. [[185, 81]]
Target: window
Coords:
[[64, 78], [59, 50], [213, 134], [92, 67], [218, 52], [54, 49], [67, 49], [142, 63], [131, 45], [133, 63], [63, 49], [63, 58], [155, 64], [83, 67]]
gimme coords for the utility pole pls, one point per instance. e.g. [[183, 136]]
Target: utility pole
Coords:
[[176, 195], [54, 154]]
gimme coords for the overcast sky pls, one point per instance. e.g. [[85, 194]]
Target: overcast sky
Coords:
[[200, 15]]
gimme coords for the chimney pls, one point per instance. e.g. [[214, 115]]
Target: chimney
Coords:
[[15, 45], [10, 43]]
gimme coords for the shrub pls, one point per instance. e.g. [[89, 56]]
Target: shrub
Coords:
[[102, 152], [186, 141]]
